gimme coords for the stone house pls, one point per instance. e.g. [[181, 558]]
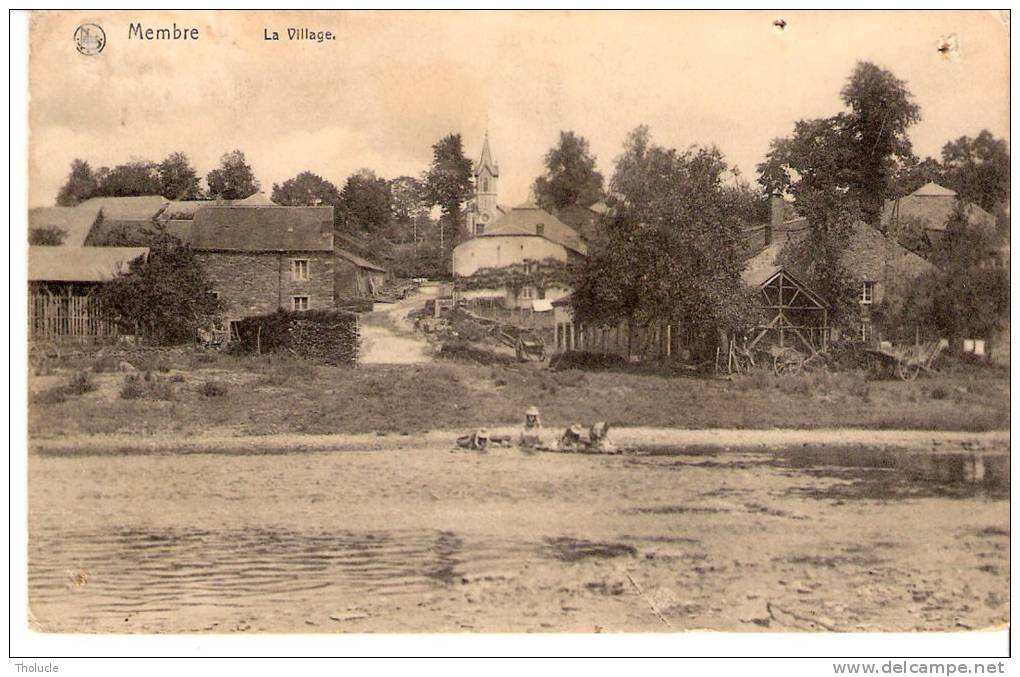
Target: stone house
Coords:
[[264, 258]]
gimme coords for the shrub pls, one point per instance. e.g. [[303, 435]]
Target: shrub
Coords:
[[81, 383], [149, 387], [324, 335], [177, 378], [54, 395], [939, 393], [105, 363], [582, 360], [213, 389]]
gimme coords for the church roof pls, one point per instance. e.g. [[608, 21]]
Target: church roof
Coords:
[[524, 220], [486, 161]]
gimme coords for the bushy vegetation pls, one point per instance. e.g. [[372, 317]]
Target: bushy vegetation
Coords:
[[322, 335], [146, 386], [164, 297]]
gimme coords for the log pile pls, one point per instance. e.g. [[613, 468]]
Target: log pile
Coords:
[[330, 337]]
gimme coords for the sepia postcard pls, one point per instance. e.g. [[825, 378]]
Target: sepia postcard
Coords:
[[517, 322]]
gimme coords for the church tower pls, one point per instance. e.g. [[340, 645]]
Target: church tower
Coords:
[[484, 210]]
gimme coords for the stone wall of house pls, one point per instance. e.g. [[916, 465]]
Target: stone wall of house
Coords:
[[255, 283]]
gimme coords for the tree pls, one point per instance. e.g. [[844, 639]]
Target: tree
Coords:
[[165, 296], [138, 177], [671, 249], [448, 183], [46, 236], [912, 173], [880, 113], [178, 179], [410, 207], [233, 179], [571, 177], [852, 155], [978, 169], [366, 202], [81, 184], [306, 189]]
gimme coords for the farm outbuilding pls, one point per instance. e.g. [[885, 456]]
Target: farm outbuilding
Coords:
[[357, 277], [791, 314], [61, 284]]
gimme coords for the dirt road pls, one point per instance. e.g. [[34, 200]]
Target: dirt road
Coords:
[[441, 540], [388, 338]]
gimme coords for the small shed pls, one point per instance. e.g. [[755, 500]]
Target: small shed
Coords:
[[791, 313], [357, 277], [61, 284]]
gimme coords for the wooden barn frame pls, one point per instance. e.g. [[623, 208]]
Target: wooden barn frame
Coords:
[[788, 307]]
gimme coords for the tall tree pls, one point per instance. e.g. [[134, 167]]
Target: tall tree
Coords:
[[138, 177], [570, 177], [178, 179], [366, 202], [81, 184], [881, 111], [853, 153], [978, 169], [410, 207], [448, 184], [233, 179], [671, 248], [306, 189]]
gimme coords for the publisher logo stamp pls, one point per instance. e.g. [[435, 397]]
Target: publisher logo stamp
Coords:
[[89, 39]]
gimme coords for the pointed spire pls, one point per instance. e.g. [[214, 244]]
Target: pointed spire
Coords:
[[486, 160]]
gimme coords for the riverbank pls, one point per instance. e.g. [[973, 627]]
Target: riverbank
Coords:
[[190, 394]]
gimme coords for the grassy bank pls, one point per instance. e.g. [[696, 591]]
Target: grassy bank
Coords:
[[187, 393]]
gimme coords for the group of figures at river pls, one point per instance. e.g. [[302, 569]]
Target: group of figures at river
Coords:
[[533, 437]]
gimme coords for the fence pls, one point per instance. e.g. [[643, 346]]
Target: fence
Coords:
[[53, 317]]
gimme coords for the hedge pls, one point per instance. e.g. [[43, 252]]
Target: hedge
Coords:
[[323, 335]]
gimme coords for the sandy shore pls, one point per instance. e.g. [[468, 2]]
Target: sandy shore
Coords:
[[644, 438]]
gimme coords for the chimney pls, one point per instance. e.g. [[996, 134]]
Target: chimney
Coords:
[[777, 207]]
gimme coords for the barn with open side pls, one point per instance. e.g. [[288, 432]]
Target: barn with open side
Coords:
[[791, 314]]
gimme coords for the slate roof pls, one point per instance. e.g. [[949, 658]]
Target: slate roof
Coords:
[[524, 220], [79, 264], [76, 222], [870, 255], [257, 228], [933, 206], [358, 261], [139, 208]]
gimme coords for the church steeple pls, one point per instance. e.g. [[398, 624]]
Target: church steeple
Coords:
[[486, 173], [485, 162]]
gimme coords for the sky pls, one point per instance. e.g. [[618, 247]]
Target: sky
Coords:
[[393, 83]]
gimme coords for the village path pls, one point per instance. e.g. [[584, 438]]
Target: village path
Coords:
[[388, 337]]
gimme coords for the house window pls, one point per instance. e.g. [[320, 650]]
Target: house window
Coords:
[[485, 184], [525, 292], [479, 228], [865, 333], [867, 293], [299, 303], [299, 269], [540, 229], [529, 267]]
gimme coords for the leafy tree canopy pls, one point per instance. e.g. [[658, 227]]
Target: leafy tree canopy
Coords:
[[671, 248], [366, 202], [165, 296], [571, 177], [178, 179], [81, 184], [448, 182], [306, 190], [233, 179], [852, 154]]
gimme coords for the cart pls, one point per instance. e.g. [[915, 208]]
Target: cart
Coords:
[[906, 363], [526, 343]]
